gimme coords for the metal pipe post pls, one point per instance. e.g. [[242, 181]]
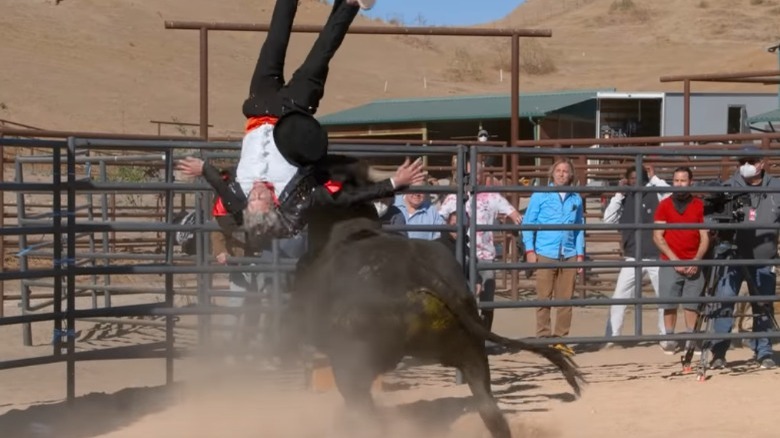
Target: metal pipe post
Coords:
[[276, 297], [514, 122], [70, 329], [204, 279], [204, 83], [473, 221], [460, 238], [57, 256], [104, 243], [2, 238], [514, 129], [687, 108], [169, 320], [639, 167]]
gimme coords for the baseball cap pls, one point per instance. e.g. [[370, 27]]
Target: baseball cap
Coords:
[[749, 152]]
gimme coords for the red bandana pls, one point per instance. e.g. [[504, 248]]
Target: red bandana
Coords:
[[219, 209], [254, 122]]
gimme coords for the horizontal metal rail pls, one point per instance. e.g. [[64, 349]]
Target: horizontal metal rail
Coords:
[[364, 30]]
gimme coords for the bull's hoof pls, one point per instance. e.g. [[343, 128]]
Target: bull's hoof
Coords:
[[360, 423], [320, 378]]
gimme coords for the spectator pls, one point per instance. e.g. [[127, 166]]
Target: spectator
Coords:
[[680, 244], [759, 208], [450, 240], [389, 214], [621, 210], [549, 246], [418, 210], [489, 206]]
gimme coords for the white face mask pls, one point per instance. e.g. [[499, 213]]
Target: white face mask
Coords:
[[748, 170], [381, 208]]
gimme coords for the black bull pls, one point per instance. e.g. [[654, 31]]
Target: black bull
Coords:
[[367, 298]]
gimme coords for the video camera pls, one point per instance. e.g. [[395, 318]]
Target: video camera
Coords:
[[725, 207]]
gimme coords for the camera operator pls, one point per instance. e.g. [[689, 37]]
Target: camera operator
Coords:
[[756, 208]]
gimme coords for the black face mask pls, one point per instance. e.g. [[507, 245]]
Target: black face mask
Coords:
[[682, 196]]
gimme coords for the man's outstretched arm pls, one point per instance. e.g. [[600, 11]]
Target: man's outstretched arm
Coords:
[[407, 174], [232, 197]]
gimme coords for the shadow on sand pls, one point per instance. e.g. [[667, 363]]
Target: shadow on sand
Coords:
[[87, 416]]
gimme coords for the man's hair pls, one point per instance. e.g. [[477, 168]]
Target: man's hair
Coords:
[[632, 169], [685, 169], [262, 223], [567, 162]]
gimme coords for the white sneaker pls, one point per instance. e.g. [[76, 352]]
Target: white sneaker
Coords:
[[669, 347]]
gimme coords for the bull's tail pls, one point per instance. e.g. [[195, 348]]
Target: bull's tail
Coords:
[[565, 364]]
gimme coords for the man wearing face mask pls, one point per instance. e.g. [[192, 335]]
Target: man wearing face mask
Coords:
[[751, 244]]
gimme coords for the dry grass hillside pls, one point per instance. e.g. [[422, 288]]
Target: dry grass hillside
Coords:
[[111, 66]]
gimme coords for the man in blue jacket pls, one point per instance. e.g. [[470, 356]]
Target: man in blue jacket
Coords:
[[547, 246]]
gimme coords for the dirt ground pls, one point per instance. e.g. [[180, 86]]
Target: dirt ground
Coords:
[[636, 389]]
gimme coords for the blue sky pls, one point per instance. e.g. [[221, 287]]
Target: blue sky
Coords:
[[443, 12]]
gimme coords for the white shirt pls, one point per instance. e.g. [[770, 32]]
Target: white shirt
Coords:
[[262, 161], [614, 209]]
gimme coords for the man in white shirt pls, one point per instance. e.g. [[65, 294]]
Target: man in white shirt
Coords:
[[621, 210]]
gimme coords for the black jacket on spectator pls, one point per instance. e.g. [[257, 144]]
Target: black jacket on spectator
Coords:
[[394, 216], [452, 244], [647, 210]]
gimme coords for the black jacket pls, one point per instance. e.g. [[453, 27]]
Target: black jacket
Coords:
[[306, 191]]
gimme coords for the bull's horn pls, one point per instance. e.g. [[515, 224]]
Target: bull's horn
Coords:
[[376, 175]]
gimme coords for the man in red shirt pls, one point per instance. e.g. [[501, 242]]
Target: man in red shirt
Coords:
[[680, 244]]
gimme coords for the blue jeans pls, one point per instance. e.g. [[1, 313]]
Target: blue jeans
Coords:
[[728, 286]]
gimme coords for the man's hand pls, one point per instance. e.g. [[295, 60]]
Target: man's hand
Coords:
[[581, 271], [650, 171], [190, 166], [409, 174], [530, 257], [222, 258]]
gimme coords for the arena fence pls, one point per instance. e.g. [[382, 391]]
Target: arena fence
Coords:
[[74, 239]]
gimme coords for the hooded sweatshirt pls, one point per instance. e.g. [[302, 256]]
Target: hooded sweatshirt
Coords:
[[763, 209]]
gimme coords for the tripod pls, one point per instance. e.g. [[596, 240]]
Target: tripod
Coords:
[[724, 250]]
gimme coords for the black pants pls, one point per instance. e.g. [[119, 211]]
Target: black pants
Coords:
[[487, 296], [268, 92]]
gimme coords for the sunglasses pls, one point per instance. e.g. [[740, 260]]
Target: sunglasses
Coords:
[[748, 160]]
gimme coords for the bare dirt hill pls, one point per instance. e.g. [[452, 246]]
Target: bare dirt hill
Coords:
[[629, 44], [111, 66]]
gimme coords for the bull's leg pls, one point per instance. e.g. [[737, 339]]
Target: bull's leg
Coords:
[[354, 374], [354, 383], [476, 371]]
